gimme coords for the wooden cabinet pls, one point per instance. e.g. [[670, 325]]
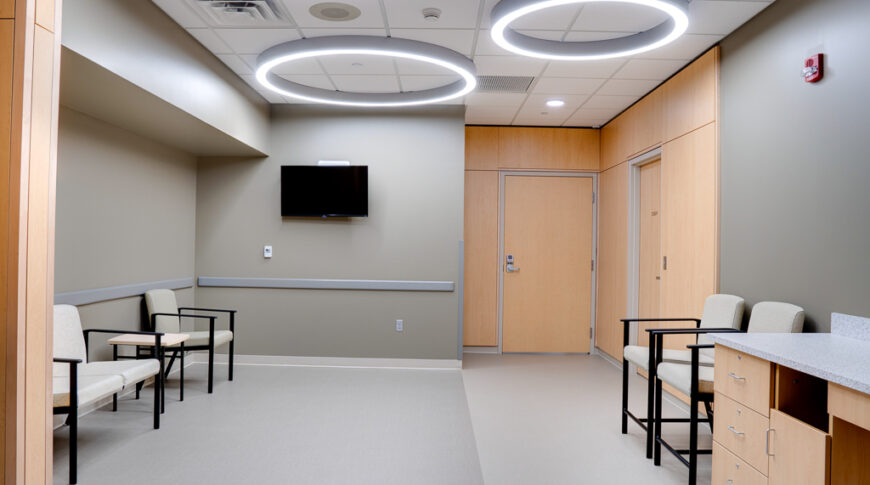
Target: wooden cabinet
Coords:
[[729, 469], [481, 147], [799, 453], [480, 289], [634, 132], [548, 148], [741, 430], [744, 378], [691, 97]]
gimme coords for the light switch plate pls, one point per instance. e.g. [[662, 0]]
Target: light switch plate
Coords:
[[267, 252]]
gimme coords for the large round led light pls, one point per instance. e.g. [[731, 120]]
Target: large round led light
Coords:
[[508, 11], [372, 46]]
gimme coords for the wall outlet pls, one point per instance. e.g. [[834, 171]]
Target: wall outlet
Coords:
[[400, 325], [267, 252]]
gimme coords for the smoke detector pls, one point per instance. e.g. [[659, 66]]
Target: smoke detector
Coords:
[[334, 11], [431, 14]]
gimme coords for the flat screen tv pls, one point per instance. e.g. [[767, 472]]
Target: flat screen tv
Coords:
[[316, 191]]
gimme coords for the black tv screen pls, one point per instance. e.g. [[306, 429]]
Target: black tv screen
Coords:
[[315, 191]]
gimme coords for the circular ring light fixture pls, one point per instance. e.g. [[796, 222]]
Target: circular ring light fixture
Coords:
[[508, 11], [365, 45]]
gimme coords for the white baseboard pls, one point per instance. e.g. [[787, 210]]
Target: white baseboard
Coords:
[[91, 407], [479, 350], [351, 362]]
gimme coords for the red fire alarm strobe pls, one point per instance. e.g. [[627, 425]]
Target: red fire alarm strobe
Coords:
[[813, 70]]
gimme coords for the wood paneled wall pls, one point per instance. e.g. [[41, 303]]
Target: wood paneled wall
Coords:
[[29, 82], [489, 149], [681, 117]]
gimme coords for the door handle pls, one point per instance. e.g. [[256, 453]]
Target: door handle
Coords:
[[509, 264]]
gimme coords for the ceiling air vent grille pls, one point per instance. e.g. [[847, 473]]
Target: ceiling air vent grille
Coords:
[[239, 13], [504, 84]]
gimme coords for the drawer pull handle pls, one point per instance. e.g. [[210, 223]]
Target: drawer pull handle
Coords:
[[735, 376], [738, 433], [729, 482], [767, 441]]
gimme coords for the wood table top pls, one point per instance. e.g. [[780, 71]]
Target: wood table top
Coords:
[[167, 340]]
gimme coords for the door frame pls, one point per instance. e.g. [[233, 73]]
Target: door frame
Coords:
[[502, 176], [633, 296]]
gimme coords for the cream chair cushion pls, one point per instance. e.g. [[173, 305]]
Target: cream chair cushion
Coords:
[[201, 338], [776, 317], [720, 311], [639, 356], [130, 371], [90, 388], [69, 341], [680, 376], [163, 301]]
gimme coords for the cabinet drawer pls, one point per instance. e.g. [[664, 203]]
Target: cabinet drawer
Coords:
[[744, 378], [729, 469], [742, 431], [800, 453]]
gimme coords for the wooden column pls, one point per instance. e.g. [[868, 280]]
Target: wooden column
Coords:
[[29, 79]]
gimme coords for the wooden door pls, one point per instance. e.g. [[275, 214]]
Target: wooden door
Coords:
[[548, 231], [649, 247], [799, 453]]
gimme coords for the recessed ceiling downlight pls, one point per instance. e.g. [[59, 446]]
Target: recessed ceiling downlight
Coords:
[[365, 46], [334, 11], [508, 11]]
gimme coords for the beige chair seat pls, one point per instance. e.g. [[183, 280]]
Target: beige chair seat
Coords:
[[639, 356], [201, 338], [680, 376], [91, 388], [131, 371]]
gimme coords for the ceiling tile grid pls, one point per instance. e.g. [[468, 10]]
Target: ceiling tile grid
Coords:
[[593, 91]]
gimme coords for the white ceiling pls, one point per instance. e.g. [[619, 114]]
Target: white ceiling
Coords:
[[594, 91]]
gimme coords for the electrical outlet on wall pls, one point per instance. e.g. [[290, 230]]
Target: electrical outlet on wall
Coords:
[[400, 325], [267, 252]]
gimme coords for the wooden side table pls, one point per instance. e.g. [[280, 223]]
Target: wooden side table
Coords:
[[167, 340]]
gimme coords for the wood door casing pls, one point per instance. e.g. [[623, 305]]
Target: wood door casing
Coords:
[[649, 247], [612, 288], [480, 289], [548, 224]]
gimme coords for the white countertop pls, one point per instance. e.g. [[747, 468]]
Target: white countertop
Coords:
[[835, 358]]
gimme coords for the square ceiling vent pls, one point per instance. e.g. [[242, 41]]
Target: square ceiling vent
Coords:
[[504, 84], [238, 13]]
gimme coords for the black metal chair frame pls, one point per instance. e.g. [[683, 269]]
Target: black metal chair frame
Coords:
[[210, 346], [72, 408], [645, 423], [695, 397]]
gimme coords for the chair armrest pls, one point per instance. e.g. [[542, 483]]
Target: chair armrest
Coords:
[[700, 346], [629, 320], [691, 331], [211, 319], [62, 360], [88, 332], [206, 309]]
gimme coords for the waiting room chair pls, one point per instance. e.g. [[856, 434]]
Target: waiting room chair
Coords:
[[165, 316], [720, 311], [77, 382], [696, 380]]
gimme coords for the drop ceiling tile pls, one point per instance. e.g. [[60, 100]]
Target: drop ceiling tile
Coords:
[[455, 14], [181, 13], [721, 17], [554, 18], [585, 36], [564, 85], [367, 84], [687, 47], [315, 81], [486, 46], [417, 68], [235, 63], [538, 119], [370, 15], [419, 83], [657, 69], [591, 117], [458, 40], [508, 66], [617, 103], [629, 87], [255, 41], [301, 66], [211, 41], [313, 32], [602, 69], [544, 34], [487, 8], [495, 100], [618, 17], [358, 65], [490, 115], [536, 112]]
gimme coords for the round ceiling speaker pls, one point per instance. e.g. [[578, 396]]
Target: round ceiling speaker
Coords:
[[507, 12], [360, 45], [334, 11]]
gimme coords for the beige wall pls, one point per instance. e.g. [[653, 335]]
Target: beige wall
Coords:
[[135, 39], [415, 160], [126, 213]]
